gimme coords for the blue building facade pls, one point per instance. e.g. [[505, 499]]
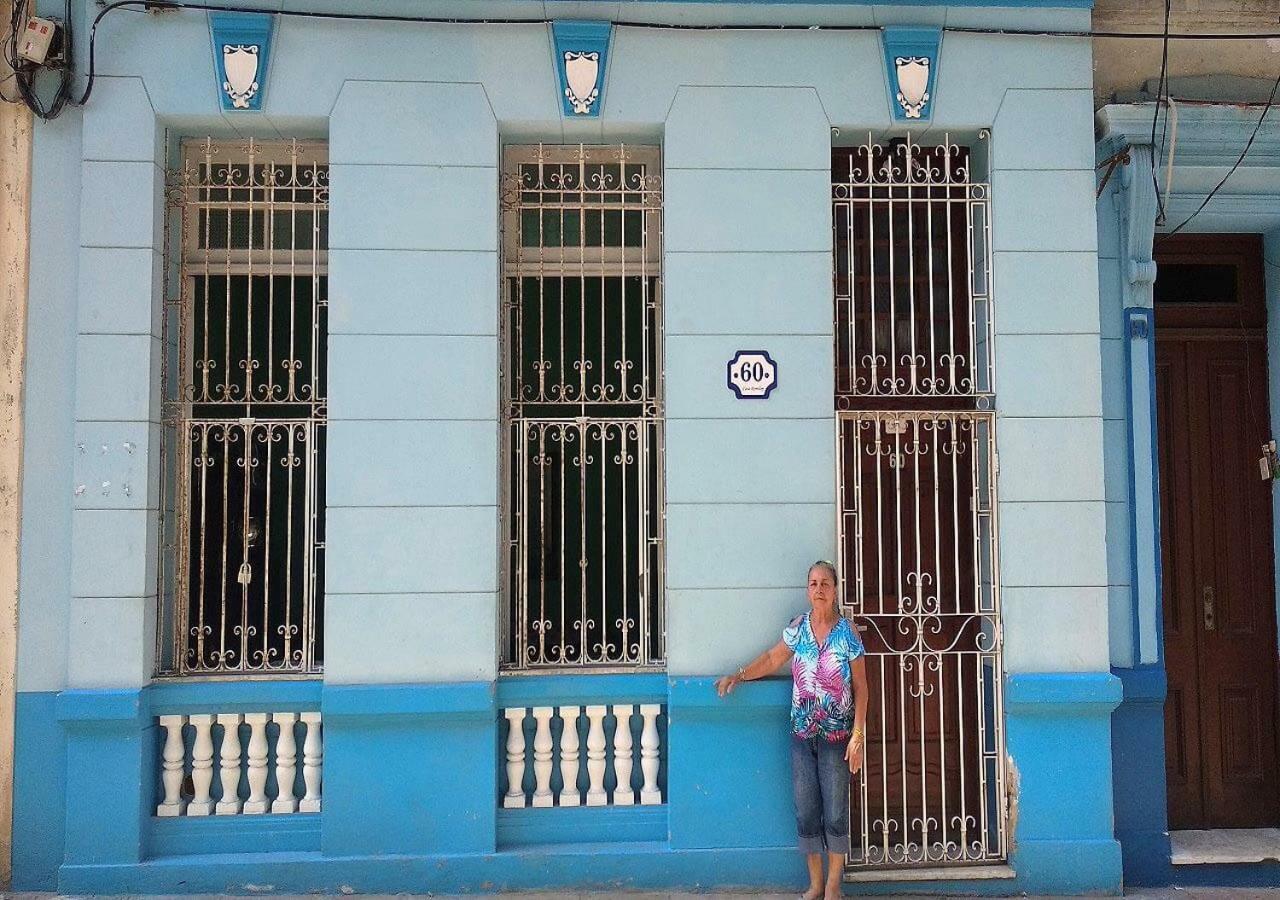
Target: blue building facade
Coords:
[[758, 226]]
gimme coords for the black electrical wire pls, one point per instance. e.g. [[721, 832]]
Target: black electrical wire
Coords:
[[1243, 153], [1160, 97]]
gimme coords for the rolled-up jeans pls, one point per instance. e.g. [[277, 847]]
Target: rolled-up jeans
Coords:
[[820, 781]]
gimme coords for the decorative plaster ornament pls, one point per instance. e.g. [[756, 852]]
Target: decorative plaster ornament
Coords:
[[580, 54], [913, 83], [911, 56], [240, 62], [241, 53], [582, 72]]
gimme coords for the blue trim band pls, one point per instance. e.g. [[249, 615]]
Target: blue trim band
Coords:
[[88, 706], [1049, 693], [194, 835], [362, 701], [698, 695], [567, 825], [581, 690], [176, 698]]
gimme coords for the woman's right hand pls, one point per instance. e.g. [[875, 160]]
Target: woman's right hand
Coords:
[[726, 684]]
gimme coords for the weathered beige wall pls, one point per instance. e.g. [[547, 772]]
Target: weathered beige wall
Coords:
[[15, 199], [1123, 65]]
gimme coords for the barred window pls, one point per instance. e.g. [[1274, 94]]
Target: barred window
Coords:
[[582, 387], [245, 411]]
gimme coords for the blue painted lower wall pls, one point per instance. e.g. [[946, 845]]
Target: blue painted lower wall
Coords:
[[39, 792], [1137, 753], [411, 793]]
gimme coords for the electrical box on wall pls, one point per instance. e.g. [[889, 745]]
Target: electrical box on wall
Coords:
[[41, 42]]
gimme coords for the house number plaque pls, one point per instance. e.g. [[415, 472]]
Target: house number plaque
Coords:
[[752, 374]]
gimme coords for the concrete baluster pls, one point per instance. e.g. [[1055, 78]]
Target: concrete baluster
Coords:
[[596, 794], [286, 764], [650, 794], [623, 794], [312, 763], [174, 760], [542, 795], [201, 766], [514, 797], [569, 794], [230, 803], [257, 802]]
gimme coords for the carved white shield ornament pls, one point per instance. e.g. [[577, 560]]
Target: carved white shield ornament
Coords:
[[913, 83], [240, 62], [581, 71]]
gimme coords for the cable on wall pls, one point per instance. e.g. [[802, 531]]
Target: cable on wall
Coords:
[[1243, 153]]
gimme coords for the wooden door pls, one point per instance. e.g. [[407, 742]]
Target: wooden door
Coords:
[[1216, 536]]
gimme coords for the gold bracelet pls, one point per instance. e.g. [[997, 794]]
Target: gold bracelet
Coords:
[[742, 673]]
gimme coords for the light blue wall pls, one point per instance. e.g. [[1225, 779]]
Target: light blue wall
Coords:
[[413, 549], [412, 457]]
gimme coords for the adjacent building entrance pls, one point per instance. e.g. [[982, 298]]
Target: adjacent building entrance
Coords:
[[1216, 533]]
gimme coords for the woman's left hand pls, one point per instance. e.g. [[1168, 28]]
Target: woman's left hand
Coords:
[[853, 753]]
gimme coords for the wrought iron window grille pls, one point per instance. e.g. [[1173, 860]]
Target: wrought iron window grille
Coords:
[[242, 455], [583, 418], [914, 398]]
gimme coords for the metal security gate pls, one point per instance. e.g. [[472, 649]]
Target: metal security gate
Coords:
[[917, 512]]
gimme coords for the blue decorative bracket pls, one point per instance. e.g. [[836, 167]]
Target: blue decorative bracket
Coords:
[[581, 55], [911, 57], [241, 52]]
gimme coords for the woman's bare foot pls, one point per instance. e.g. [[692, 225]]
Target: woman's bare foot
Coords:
[[814, 893], [832, 892]]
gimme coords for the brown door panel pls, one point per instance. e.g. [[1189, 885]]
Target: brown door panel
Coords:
[[1216, 535]]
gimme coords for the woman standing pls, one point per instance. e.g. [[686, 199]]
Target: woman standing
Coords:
[[828, 722]]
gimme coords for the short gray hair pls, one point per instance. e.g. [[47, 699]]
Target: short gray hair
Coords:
[[829, 566]]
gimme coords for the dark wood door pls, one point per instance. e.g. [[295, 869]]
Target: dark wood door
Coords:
[[1219, 601]]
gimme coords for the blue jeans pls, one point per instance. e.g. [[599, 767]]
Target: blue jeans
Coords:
[[820, 781]]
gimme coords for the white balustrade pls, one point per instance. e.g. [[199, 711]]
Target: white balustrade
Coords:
[[565, 752], [237, 759]]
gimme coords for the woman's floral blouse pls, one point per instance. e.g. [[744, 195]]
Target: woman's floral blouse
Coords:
[[821, 695]]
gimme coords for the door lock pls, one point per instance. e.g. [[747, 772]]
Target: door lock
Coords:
[[1269, 462], [1209, 623]]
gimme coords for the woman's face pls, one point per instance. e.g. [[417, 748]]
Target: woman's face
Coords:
[[822, 588]]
